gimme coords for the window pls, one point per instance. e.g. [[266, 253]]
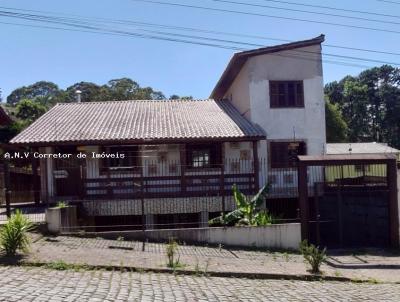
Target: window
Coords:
[[362, 168], [286, 94], [126, 156], [203, 156], [284, 154]]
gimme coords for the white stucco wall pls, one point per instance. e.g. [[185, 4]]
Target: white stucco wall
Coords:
[[239, 93], [306, 123]]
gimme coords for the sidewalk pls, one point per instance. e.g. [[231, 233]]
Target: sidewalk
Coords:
[[377, 266]]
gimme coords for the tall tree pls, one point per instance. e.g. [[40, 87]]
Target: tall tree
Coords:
[[370, 104], [29, 110], [336, 127], [43, 92]]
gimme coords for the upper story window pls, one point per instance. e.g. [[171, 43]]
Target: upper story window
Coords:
[[286, 94], [284, 154], [203, 155]]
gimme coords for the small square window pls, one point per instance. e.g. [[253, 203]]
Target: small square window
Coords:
[[203, 155]]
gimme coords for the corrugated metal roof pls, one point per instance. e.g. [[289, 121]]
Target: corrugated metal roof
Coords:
[[359, 148], [135, 121]]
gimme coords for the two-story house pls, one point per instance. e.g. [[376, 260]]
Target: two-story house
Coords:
[[280, 89], [176, 160]]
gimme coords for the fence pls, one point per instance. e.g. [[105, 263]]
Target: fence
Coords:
[[94, 179], [176, 194]]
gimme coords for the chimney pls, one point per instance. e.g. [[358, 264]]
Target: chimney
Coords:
[[78, 96]]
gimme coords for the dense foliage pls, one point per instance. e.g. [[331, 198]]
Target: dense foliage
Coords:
[[312, 255], [27, 103], [248, 212], [14, 234], [369, 104]]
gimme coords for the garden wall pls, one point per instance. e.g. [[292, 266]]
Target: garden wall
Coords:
[[276, 236]]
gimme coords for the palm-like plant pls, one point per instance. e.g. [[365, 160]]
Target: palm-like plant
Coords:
[[13, 235], [247, 212]]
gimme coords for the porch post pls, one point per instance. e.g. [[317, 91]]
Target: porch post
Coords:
[[7, 189], [182, 152], [50, 175], [303, 199], [256, 167], [393, 202], [36, 179]]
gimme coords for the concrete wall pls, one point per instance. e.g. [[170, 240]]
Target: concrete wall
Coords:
[[277, 236], [239, 93]]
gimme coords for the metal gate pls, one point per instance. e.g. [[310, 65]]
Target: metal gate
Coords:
[[349, 201]]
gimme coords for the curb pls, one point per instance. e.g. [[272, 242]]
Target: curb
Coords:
[[260, 276]]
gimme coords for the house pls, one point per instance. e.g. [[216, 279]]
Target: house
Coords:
[[280, 88], [176, 160], [5, 119]]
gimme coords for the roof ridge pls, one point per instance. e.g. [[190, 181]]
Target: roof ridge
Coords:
[[131, 101]]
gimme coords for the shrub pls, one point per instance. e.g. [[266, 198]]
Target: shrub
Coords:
[[313, 255], [172, 247], [13, 235], [61, 204], [248, 211]]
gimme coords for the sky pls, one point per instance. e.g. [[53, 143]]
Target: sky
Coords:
[[28, 54]]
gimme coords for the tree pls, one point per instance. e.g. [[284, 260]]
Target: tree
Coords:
[[369, 104], [127, 89], [29, 110], [177, 97], [336, 127], [43, 92], [90, 92]]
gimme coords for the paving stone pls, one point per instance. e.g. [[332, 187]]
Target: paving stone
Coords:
[[97, 252], [97, 286]]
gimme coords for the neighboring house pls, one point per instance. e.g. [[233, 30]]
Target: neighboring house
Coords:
[[353, 171], [266, 109]]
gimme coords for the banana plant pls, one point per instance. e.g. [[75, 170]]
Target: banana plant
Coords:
[[247, 212]]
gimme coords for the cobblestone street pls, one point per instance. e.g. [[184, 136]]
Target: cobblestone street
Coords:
[[39, 284]]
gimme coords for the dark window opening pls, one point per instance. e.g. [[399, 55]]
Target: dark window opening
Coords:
[[284, 154], [286, 94], [125, 156], [203, 155]]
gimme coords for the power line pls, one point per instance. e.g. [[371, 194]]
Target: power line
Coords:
[[393, 2], [308, 12], [335, 8], [137, 35], [167, 35], [268, 16], [191, 29]]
